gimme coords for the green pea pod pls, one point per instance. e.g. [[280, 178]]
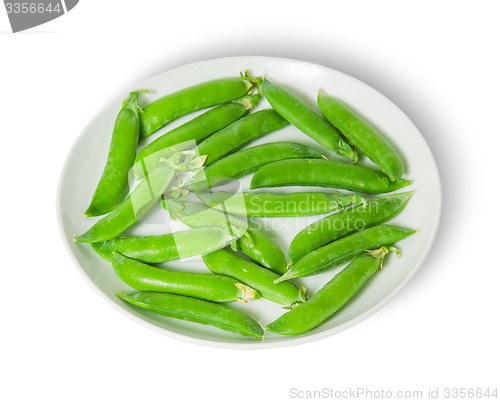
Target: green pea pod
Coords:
[[333, 296], [334, 226], [225, 262], [207, 94], [241, 132], [269, 205], [168, 247], [252, 242], [194, 310], [360, 133], [196, 129], [133, 208], [113, 185], [199, 215], [344, 249], [306, 120], [211, 287], [325, 173], [174, 154], [247, 161], [262, 249]]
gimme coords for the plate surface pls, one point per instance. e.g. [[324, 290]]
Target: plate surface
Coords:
[[86, 160]]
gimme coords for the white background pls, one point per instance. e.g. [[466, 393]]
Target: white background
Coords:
[[438, 61]]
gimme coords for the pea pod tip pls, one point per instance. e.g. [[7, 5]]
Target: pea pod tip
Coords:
[[282, 278], [143, 91], [122, 295], [402, 182], [406, 194], [82, 238]]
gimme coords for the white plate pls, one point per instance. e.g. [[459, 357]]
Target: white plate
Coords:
[[87, 157]]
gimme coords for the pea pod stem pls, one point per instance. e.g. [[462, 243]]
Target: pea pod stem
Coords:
[[382, 252], [143, 166], [194, 310], [332, 297], [211, 287], [278, 205], [255, 81], [249, 102]]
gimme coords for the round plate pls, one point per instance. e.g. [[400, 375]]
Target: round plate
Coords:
[[87, 158]]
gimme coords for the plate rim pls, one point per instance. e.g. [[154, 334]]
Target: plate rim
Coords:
[[252, 345]]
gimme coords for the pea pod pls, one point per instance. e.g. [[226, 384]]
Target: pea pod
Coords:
[[333, 296], [207, 94], [133, 208], [270, 205], [113, 184], [211, 287], [241, 132], [168, 247], [198, 215], [324, 173], [196, 129], [344, 249], [364, 136], [334, 226], [225, 262], [306, 120], [262, 249], [194, 310], [252, 242], [247, 161]]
